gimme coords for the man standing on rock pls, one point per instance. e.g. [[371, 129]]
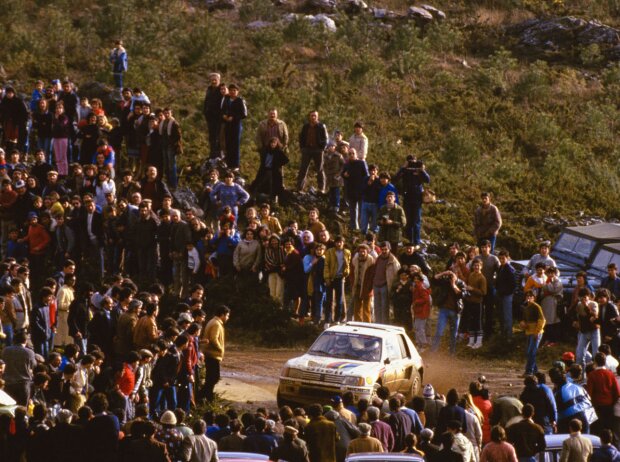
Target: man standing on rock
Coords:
[[212, 110], [413, 175], [487, 221], [212, 346], [118, 59], [312, 142]]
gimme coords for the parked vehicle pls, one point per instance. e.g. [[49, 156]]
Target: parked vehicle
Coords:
[[241, 456], [356, 357], [576, 249], [554, 446], [383, 457]]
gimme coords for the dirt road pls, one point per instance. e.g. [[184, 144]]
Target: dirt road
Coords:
[[250, 375]]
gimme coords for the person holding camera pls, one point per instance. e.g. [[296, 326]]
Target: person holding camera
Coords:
[[449, 298], [412, 177]]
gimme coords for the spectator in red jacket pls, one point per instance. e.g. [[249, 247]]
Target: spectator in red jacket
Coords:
[[38, 240], [126, 382], [604, 390]]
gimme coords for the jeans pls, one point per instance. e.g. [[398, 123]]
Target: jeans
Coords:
[[185, 394], [505, 302], [318, 297], [170, 166], [446, 316], [334, 197], [419, 327], [167, 395], [382, 304], [354, 213], [337, 287], [370, 212], [118, 79], [583, 340], [8, 331], [530, 353], [413, 213]]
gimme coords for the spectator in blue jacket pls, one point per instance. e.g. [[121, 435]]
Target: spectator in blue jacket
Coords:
[[229, 194], [225, 244], [354, 173], [118, 59], [386, 187]]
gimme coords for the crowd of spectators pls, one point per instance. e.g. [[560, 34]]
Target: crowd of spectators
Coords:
[[92, 241]]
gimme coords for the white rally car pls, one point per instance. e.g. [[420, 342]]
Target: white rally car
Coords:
[[356, 357]]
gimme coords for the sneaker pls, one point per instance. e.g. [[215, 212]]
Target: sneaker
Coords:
[[471, 342], [478, 343]]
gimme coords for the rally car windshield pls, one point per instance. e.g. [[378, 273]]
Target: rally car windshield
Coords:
[[347, 346]]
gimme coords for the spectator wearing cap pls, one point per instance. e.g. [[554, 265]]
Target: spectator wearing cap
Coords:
[[346, 414], [212, 110], [291, 448], [365, 442], [392, 221], [8, 197], [170, 436], [125, 328], [432, 405]]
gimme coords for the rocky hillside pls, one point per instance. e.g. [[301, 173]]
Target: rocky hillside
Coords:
[[518, 97]]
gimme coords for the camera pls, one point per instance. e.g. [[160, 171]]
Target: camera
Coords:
[[415, 164]]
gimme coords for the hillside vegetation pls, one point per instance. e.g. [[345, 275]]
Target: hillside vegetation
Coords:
[[539, 132]]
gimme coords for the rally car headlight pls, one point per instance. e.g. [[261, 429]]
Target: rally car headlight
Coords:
[[354, 381]]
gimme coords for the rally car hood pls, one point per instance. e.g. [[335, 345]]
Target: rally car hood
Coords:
[[337, 366]]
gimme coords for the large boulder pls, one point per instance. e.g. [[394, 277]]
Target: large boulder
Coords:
[[564, 34], [419, 14], [325, 21], [354, 7], [319, 6], [213, 5], [435, 12]]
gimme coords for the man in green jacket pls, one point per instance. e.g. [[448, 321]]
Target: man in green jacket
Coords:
[[392, 221], [321, 436]]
